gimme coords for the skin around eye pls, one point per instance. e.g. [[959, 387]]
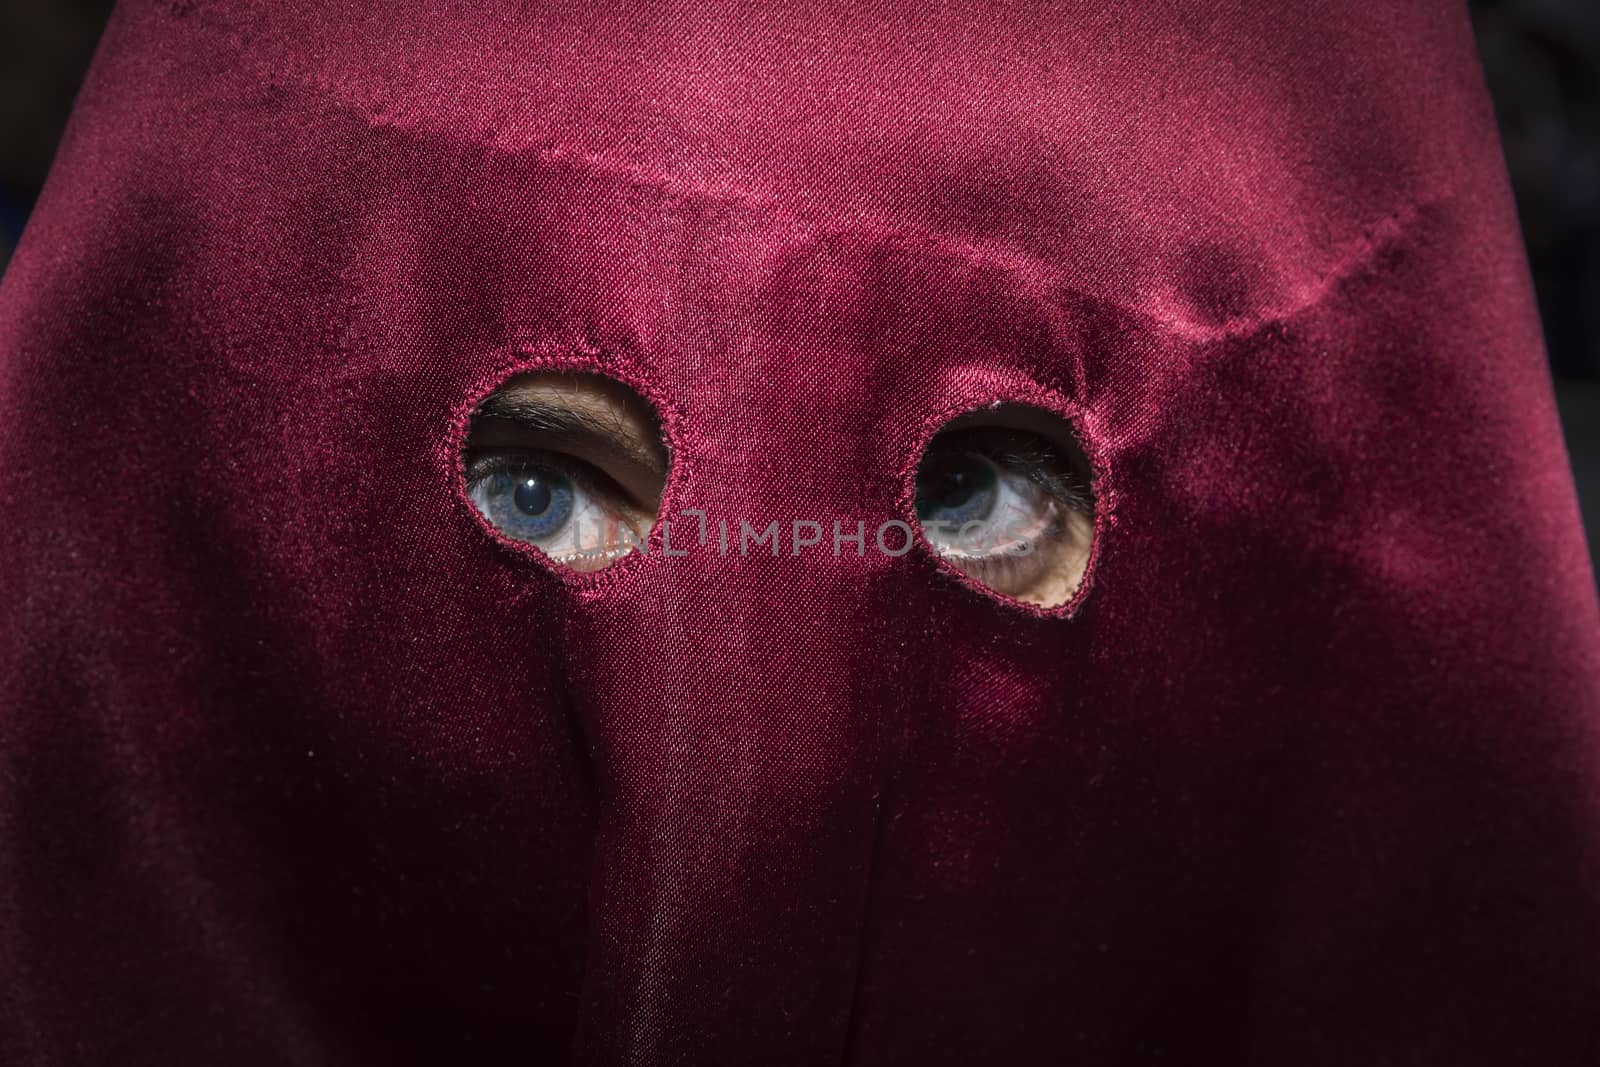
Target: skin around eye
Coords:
[[1011, 508]]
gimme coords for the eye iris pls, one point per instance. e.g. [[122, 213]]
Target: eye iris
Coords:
[[533, 505], [956, 489]]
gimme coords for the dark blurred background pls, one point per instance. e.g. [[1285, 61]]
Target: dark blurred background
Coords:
[[1542, 59]]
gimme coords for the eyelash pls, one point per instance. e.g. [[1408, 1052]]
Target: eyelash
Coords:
[[1044, 467], [1032, 459]]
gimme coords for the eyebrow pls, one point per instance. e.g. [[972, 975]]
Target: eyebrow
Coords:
[[548, 416]]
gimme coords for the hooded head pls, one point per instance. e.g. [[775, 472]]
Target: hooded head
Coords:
[[320, 744]]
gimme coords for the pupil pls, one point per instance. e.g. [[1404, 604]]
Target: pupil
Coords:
[[957, 486], [532, 496], [952, 484]]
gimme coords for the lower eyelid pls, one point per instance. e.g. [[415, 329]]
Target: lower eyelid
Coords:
[[1010, 549], [1009, 574]]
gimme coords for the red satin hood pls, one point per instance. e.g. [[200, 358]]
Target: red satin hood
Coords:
[[299, 765]]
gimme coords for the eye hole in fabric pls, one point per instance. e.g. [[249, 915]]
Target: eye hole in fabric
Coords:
[[572, 464], [1005, 496]]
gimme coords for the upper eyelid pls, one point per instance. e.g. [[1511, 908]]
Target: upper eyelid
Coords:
[[537, 415]]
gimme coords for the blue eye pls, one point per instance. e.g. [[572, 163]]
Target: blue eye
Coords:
[[534, 504], [956, 489], [561, 505]]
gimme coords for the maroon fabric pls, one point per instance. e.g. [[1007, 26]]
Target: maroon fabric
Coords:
[[298, 765]]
